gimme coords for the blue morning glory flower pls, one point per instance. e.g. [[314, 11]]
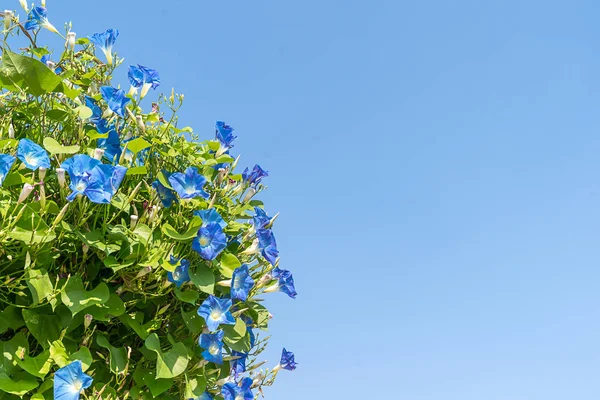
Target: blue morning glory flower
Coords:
[[232, 391], [105, 41], [115, 98], [287, 360], [166, 195], [212, 343], [238, 365], [267, 245], [211, 215], [111, 146], [261, 219], [69, 381], [215, 312], [241, 283], [38, 17], [211, 241], [204, 396], [181, 274], [143, 77], [255, 176], [189, 184], [96, 117], [285, 282], [6, 163], [32, 155], [224, 134], [45, 58], [89, 177]]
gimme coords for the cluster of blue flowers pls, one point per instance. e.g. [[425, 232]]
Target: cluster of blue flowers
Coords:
[[98, 181]]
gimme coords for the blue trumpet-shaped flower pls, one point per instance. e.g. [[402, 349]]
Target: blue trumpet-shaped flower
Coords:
[[111, 146], [241, 283], [166, 195], [181, 274], [96, 118], [261, 219], [6, 163], [238, 364], [189, 184], [287, 360], [211, 215], [105, 41], [210, 241], [69, 381], [224, 134], [38, 18], [32, 155], [89, 177], [232, 391], [267, 245], [144, 78], [212, 343], [215, 312], [115, 98], [254, 177], [285, 283]]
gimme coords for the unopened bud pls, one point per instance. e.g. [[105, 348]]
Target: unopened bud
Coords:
[[134, 220], [144, 272], [25, 192], [235, 163], [87, 320], [71, 40], [253, 249], [249, 194], [172, 96], [60, 216], [271, 316], [98, 154], [221, 175], [264, 280], [42, 173], [11, 131], [8, 15], [24, 5], [140, 123], [51, 65], [273, 220], [60, 173], [85, 248], [44, 3]]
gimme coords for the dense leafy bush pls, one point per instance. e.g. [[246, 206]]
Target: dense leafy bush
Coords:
[[131, 252]]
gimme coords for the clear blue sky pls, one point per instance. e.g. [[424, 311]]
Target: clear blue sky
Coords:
[[437, 169]]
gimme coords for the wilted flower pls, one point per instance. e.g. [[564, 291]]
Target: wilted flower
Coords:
[[215, 312], [105, 41]]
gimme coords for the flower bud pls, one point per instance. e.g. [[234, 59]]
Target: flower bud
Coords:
[[87, 320], [60, 173], [24, 5], [51, 65], [264, 280], [98, 154], [25, 192], [253, 249], [85, 248], [249, 194], [44, 3], [42, 173], [71, 40], [60, 216], [140, 123], [235, 163], [8, 16], [134, 220], [221, 175], [11, 131]]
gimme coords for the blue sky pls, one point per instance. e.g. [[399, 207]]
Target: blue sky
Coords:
[[436, 165]]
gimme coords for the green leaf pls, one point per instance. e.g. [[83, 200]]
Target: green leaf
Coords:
[[40, 51], [260, 315], [33, 76], [83, 355], [77, 298], [134, 324], [194, 387], [137, 145], [11, 318], [44, 327], [31, 228], [114, 307], [204, 278], [38, 366], [193, 321], [9, 349], [236, 336], [13, 179], [56, 148], [57, 114], [39, 284], [170, 364], [139, 170], [188, 296], [191, 233], [84, 112], [21, 383], [118, 355], [58, 353], [228, 264], [156, 386]]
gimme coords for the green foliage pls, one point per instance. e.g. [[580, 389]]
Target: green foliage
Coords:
[[87, 281]]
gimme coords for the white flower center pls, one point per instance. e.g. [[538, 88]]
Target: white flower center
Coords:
[[215, 315], [239, 397], [31, 160], [190, 190], [204, 241], [214, 350], [81, 186], [77, 385]]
